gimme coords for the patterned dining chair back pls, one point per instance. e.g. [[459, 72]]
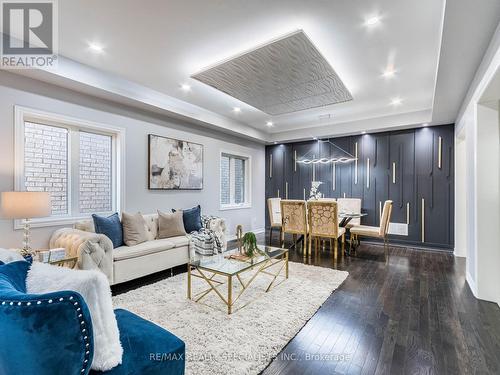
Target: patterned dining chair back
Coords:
[[352, 205], [274, 208], [386, 218], [293, 213], [323, 218]]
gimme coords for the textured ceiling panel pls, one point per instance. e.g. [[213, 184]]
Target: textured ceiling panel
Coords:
[[284, 76]]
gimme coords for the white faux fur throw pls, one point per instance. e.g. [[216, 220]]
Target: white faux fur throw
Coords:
[[94, 288]]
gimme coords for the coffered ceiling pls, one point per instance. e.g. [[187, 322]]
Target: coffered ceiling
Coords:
[[283, 76], [189, 59]]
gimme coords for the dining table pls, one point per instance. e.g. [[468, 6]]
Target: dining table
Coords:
[[345, 217]]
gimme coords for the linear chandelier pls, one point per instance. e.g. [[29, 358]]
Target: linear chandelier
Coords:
[[346, 158]]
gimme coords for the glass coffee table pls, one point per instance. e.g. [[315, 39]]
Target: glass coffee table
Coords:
[[218, 271]]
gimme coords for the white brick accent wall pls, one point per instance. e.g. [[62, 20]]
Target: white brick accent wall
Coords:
[[239, 180], [46, 163], [95, 173]]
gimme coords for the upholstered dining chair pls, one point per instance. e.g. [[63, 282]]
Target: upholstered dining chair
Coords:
[[352, 205], [274, 208], [294, 220], [324, 223], [375, 232]]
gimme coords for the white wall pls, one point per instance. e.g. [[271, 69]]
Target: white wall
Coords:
[[460, 190], [481, 195], [17, 90], [488, 203]]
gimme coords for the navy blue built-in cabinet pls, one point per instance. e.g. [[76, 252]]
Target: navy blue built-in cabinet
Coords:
[[414, 168]]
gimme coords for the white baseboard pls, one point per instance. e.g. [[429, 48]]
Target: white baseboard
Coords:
[[472, 284], [459, 252], [256, 231], [473, 288]]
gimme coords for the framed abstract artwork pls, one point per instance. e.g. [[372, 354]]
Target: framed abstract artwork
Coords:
[[174, 164]]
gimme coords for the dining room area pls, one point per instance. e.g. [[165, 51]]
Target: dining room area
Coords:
[[384, 189]]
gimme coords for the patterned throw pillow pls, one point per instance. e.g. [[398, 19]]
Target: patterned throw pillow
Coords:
[[111, 227]]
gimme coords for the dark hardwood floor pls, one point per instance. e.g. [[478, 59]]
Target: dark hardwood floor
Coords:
[[409, 313]]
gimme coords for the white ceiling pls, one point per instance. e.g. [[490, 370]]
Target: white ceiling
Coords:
[[157, 45]]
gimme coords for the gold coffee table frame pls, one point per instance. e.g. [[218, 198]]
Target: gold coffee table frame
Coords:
[[261, 266]]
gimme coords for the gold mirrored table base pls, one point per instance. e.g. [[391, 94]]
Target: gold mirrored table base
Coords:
[[217, 281]]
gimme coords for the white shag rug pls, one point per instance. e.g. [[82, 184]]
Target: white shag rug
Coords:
[[246, 341]]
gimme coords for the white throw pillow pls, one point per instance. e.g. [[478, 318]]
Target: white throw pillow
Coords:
[[95, 290], [7, 256]]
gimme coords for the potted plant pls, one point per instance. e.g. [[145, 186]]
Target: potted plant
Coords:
[[250, 244]]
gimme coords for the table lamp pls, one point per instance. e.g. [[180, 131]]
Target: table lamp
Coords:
[[25, 205]]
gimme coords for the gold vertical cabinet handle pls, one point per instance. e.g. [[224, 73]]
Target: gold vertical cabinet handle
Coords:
[[295, 160], [408, 213], [334, 176], [286, 190], [367, 173], [304, 193], [440, 152], [356, 163], [423, 220], [394, 172], [271, 166], [279, 193]]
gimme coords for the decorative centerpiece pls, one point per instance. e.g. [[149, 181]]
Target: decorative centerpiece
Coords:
[[239, 236], [247, 246], [314, 193]]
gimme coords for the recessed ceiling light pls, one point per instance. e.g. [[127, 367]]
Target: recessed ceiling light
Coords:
[[275, 142], [95, 47], [371, 21], [315, 138], [396, 101], [425, 125], [363, 132], [185, 87], [389, 73], [236, 109], [269, 123]]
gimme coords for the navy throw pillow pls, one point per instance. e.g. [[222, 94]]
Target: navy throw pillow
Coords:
[[111, 227], [192, 219], [13, 274]]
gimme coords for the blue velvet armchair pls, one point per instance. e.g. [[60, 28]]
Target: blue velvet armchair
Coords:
[[51, 334]]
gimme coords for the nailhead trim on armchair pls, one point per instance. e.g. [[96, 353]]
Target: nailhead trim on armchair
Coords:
[[74, 301]]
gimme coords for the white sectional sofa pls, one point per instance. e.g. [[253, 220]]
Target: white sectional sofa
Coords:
[[95, 251]]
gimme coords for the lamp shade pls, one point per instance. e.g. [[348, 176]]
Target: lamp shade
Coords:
[[25, 204]]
